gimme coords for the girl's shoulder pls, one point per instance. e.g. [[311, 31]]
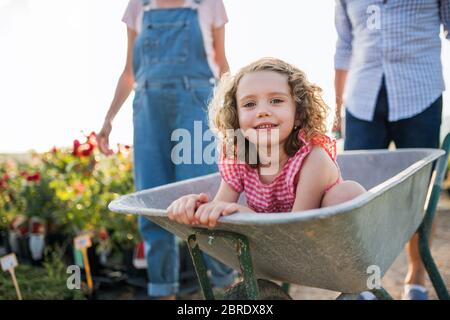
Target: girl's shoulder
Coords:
[[319, 149], [319, 140]]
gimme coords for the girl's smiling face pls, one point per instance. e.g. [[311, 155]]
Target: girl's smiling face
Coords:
[[264, 104]]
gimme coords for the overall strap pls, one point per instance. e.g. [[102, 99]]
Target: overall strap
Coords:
[[194, 4], [146, 4]]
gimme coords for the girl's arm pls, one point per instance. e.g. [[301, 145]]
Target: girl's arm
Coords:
[[224, 203], [123, 89], [318, 171], [226, 193]]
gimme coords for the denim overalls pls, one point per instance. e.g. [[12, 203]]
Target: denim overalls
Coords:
[[173, 85]]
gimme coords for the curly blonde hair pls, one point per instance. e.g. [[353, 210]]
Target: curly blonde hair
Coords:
[[311, 110]]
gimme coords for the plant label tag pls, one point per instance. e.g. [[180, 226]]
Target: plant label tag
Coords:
[[82, 242], [9, 262], [78, 258]]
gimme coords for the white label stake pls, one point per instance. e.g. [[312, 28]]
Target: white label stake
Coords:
[[82, 243], [9, 263]]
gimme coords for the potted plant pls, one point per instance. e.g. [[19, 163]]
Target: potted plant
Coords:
[[36, 241]]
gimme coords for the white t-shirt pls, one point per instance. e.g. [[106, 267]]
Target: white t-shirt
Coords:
[[211, 15]]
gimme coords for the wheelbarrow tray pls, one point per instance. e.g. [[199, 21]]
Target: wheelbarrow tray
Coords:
[[330, 248]]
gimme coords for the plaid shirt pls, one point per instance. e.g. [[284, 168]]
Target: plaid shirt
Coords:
[[395, 38]]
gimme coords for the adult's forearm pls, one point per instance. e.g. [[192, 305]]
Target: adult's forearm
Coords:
[[123, 89], [224, 67], [339, 85], [221, 61], [219, 50]]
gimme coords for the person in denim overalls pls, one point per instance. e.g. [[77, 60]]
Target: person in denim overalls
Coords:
[[173, 84]]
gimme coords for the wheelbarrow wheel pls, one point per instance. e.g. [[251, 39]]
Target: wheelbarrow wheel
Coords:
[[268, 290]]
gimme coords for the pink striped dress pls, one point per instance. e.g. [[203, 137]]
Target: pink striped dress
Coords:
[[279, 195]]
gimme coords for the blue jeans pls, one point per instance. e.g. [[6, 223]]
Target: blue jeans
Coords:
[[420, 131], [164, 263], [154, 125], [174, 83]]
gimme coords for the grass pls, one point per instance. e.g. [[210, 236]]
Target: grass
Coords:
[[40, 283]]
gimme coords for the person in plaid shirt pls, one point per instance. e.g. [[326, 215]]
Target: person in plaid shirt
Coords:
[[282, 119]]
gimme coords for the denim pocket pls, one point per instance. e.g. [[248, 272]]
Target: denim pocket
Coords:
[[167, 42], [201, 96], [138, 101]]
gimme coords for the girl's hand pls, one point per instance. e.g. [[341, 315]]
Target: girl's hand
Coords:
[[208, 214], [182, 210]]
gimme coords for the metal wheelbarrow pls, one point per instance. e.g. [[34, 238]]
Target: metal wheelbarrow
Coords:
[[331, 248]]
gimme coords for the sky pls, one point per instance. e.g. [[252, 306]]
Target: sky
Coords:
[[60, 61]]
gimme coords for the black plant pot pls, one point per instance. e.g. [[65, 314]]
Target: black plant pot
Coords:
[[187, 278], [135, 277], [4, 244], [55, 239], [20, 246]]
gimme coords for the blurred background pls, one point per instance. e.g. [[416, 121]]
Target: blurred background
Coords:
[[60, 61]]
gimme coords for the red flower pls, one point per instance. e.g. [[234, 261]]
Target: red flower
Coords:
[[76, 145], [79, 187], [3, 181], [92, 139], [37, 227], [19, 224], [103, 234], [85, 149], [34, 177], [23, 230]]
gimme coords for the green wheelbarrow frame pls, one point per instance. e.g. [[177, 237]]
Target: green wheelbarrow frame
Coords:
[[425, 227], [328, 248]]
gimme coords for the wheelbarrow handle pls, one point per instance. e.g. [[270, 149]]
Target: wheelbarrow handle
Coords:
[[443, 161], [425, 227]]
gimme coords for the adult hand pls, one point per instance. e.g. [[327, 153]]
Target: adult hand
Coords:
[[103, 139], [337, 124], [182, 210]]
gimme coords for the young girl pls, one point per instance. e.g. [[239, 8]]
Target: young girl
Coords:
[[269, 98]]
